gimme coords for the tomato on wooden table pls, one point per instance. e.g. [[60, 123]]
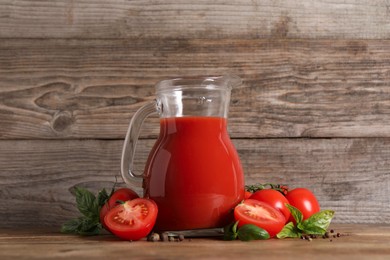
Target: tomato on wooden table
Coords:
[[261, 214], [133, 219], [304, 200], [122, 194], [274, 198]]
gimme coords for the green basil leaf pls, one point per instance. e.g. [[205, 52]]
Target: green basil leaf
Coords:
[[230, 231], [87, 203], [71, 227], [318, 223], [234, 228], [91, 232], [89, 227], [289, 230], [102, 197], [251, 232], [296, 213]]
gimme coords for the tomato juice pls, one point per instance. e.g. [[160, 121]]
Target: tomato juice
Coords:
[[193, 174]]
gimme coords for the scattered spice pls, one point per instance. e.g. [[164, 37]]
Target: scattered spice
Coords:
[[164, 237], [153, 237], [327, 235], [335, 235]]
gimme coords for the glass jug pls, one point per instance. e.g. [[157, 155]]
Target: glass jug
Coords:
[[193, 172]]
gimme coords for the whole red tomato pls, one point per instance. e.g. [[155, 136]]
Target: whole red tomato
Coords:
[[122, 194], [304, 200], [273, 198]]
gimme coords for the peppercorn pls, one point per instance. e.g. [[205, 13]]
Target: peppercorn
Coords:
[[164, 237], [155, 237]]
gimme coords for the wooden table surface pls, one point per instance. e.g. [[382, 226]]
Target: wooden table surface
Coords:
[[357, 242]]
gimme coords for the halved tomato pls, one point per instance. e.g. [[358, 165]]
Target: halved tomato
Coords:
[[122, 194], [260, 214], [133, 219], [274, 198]]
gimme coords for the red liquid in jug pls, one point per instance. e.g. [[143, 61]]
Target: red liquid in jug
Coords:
[[194, 174]]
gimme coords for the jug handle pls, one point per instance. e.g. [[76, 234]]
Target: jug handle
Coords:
[[128, 151]]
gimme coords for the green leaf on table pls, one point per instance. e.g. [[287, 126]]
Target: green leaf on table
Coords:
[[82, 226], [289, 230], [318, 223], [89, 227], [250, 232], [230, 231], [71, 226]]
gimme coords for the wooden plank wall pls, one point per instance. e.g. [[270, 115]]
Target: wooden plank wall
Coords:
[[314, 109]]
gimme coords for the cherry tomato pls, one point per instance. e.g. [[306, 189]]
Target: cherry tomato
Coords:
[[122, 194], [260, 214], [247, 194], [273, 198], [304, 200], [132, 220]]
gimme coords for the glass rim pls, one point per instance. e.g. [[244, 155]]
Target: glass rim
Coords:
[[222, 82]]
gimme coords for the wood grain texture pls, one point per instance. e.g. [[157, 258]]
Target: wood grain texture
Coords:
[[350, 176], [292, 87], [72, 73], [362, 19], [358, 242]]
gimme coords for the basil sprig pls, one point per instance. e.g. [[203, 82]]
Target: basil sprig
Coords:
[[317, 224], [89, 206], [247, 232]]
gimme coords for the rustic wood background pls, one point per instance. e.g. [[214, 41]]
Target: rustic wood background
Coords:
[[314, 109]]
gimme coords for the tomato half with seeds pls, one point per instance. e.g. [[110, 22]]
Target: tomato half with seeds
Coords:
[[122, 194], [274, 198], [260, 214], [133, 219]]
